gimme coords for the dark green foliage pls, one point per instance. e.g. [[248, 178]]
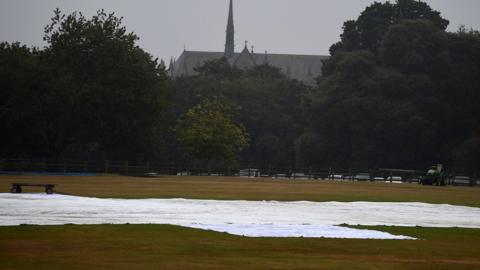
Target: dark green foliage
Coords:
[[269, 106], [218, 69], [398, 91], [208, 136], [367, 31], [416, 47], [90, 91], [467, 155], [22, 80]]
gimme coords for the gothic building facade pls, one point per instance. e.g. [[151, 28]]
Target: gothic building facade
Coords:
[[305, 68]]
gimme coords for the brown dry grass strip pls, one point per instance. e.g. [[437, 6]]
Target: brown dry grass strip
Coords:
[[232, 188]]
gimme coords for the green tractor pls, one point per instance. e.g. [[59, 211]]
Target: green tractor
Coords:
[[435, 176]]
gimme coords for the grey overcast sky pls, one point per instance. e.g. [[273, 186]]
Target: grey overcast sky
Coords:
[[165, 26]]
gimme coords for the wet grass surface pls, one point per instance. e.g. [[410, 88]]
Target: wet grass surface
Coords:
[[230, 188], [170, 247]]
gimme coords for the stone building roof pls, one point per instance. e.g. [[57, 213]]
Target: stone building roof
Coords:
[[304, 68]]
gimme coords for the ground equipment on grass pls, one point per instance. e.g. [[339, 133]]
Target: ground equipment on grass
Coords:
[[17, 187], [436, 175]]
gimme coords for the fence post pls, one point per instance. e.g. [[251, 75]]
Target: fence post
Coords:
[[64, 166], [147, 167], [126, 167]]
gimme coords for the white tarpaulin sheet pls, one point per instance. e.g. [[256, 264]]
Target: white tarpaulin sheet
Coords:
[[248, 218]]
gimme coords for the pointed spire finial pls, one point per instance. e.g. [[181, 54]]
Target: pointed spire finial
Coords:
[[230, 39]]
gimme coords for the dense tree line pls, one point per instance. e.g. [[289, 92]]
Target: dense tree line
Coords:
[[267, 103], [398, 91], [90, 93]]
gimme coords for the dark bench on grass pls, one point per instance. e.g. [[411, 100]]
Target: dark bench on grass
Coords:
[[17, 188]]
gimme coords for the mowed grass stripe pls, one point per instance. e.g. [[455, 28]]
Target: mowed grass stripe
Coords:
[[233, 188], [171, 247]]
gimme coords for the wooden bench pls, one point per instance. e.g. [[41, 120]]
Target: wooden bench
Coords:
[[17, 187]]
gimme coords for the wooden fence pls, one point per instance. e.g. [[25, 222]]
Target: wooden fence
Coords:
[[75, 167]]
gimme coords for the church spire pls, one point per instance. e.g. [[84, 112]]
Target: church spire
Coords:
[[230, 40], [171, 67]]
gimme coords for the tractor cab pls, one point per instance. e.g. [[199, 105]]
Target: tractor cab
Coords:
[[436, 175]]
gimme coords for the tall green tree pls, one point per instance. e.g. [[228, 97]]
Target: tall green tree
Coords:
[[106, 91], [208, 135], [90, 93], [398, 91], [367, 31], [416, 46], [269, 106], [22, 82]]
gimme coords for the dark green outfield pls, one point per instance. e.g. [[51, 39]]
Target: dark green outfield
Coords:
[[170, 247]]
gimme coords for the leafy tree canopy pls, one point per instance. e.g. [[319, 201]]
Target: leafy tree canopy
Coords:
[[208, 135], [268, 104], [367, 31], [93, 90], [398, 91]]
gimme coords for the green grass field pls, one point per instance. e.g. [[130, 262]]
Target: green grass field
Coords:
[[234, 188], [170, 247]]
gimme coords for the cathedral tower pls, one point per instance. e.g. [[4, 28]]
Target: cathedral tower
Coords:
[[230, 41], [304, 68]]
